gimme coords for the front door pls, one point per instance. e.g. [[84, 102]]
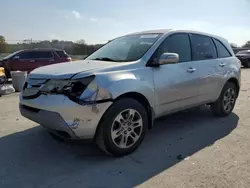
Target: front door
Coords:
[[23, 62], [175, 84]]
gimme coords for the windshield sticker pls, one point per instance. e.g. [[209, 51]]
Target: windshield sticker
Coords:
[[152, 36]]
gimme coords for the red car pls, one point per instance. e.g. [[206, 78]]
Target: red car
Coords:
[[28, 60]]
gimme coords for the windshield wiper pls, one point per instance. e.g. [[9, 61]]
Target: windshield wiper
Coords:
[[104, 59]]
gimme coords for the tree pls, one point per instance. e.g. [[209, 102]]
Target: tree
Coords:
[[81, 41], [247, 45], [3, 45], [2, 39], [233, 45]]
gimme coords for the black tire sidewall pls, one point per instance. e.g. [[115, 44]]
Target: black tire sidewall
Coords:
[[108, 119]]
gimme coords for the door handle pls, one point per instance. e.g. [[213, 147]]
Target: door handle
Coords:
[[191, 70], [222, 64], [51, 60], [32, 61]]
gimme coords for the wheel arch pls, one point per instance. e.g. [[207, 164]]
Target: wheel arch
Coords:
[[141, 99], [236, 82]]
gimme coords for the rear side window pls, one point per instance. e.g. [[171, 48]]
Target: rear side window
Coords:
[[202, 47], [176, 43], [62, 54], [42, 55], [221, 49]]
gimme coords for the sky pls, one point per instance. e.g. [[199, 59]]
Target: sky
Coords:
[[97, 21]]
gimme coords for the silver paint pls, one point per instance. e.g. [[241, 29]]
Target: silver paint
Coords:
[[168, 88]]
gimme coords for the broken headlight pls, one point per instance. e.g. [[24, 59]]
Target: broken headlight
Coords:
[[71, 88]]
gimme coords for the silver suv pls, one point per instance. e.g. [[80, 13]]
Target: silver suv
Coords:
[[114, 95]]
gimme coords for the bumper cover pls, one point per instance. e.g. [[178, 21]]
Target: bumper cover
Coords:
[[57, 112], [49, 120]]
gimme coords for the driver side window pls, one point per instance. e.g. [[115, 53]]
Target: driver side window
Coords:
[[25, 55], [176, 43]]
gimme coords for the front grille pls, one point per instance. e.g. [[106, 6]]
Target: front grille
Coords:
[[32, 88]]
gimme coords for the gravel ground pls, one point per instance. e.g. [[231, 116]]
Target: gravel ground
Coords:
[[187, 149]]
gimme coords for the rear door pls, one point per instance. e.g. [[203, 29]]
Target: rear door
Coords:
[[42, 58], [223, 62], [175, 84], [204, 53]]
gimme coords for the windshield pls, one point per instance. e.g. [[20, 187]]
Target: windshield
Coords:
[[244, 52], [127, 48], [10, 55]]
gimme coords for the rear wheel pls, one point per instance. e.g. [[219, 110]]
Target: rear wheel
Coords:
[[226, 102], [122, 128]]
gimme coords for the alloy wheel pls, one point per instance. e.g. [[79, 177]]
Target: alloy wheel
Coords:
[[126, 128], [229, 99]]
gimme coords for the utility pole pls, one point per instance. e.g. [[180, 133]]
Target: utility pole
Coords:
[[31, 43]]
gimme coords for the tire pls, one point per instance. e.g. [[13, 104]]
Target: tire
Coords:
[[219, 107], [130, 137]]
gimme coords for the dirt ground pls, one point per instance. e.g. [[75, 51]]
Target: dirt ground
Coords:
[[187, 149]]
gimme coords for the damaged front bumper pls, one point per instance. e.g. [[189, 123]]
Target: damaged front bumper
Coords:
[[59, 113]]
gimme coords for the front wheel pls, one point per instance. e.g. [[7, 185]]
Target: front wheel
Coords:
[[226, 102], [122, 128]]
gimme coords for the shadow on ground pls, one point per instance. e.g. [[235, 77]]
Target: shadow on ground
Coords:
[[33, 159]]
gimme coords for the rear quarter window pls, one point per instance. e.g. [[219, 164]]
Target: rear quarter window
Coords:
[[62, 54], [221, 49]]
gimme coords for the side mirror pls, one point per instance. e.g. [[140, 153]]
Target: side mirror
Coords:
[[168, 58], [16, 57]]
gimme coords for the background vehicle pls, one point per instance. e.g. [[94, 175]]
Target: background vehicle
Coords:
[[114, 95], [2, 75], [244, 57], [28, 60]]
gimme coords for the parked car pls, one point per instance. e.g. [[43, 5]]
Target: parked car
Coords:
[[116, 93], [28, 60], [2, 76], [244, 57]]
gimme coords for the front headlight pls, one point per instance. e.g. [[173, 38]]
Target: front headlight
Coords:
[[71, 88]]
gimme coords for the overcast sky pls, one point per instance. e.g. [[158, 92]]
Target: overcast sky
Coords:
[[98, 21]]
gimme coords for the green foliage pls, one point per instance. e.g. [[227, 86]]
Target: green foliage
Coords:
[[247, 45], [78, 48], [4, 48], [2, 39]]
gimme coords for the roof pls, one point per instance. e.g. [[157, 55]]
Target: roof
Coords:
[[165, 31], [151, 32], [45, 49]]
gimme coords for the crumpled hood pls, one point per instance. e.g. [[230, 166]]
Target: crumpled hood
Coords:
[[68, 70]]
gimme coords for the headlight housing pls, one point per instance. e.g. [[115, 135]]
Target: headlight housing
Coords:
[[71, 88]]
